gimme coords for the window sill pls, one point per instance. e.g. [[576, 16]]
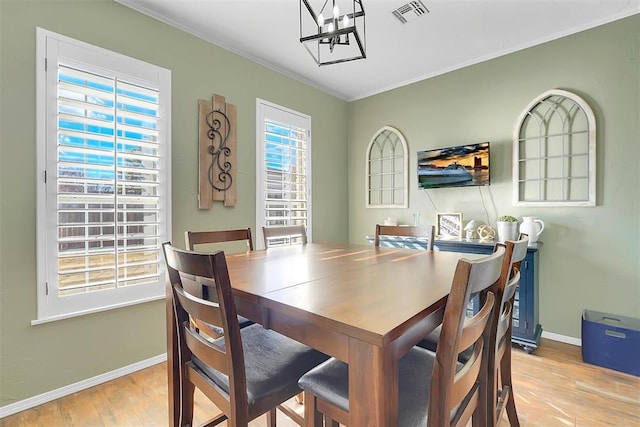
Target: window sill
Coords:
[[94, 310]]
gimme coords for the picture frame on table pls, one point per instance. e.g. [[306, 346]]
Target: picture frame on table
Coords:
[[449, 225]]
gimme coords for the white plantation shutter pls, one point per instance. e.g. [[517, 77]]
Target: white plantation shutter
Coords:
[[107, 191], [284, 165]]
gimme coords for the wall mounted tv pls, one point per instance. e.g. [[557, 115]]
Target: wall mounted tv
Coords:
[[459, 166]]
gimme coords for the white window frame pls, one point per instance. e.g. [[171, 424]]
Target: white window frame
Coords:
[[266, 110], [51, 50]]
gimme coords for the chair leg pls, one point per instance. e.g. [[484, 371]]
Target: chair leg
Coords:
[[271, 418], [511, 411], [505, 376], [186, 402], [312, 418]]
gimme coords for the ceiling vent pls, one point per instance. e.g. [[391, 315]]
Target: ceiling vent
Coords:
[[410, 11]]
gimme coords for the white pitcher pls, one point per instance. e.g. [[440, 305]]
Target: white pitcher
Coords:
[[532, 226]]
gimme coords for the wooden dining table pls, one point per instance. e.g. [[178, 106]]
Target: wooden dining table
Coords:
[[364, 305]]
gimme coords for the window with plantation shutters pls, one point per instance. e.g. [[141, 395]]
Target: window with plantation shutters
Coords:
[[104, 196], [284, 169]]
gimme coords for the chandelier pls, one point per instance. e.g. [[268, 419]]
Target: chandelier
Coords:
[[336, 33]]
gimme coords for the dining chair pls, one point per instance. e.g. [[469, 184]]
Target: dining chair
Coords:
[[281, 235], [426, 232], [503, 398], [246, 372], [434, 389], [192, 238], [500, 338]]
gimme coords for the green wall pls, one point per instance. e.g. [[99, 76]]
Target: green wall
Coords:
[[37, 359], [589, 256]]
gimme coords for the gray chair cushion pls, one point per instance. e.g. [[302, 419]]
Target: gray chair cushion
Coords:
[[242, 321], [273, 364], [330, 382], [430, 342]]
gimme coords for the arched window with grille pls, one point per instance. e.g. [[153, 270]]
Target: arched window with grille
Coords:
[[554, 152], [387, 170]]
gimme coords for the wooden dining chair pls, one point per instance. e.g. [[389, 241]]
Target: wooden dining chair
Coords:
[[286, 235], [192, 238], [426, 232], [278, 236], [247, 372], [203, 238], [500, 334], [503, 398], [434, 389]]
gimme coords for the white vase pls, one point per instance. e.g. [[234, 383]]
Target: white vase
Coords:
[[532, 226], [507, 230]]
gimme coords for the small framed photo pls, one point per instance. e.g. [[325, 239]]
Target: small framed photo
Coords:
[[449, 225]]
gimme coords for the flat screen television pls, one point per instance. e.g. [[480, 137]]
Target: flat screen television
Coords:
[[459, 166]]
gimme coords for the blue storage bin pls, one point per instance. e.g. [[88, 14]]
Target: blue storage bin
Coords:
[[611, 341]]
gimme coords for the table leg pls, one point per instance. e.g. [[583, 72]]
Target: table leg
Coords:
[[373, 386]]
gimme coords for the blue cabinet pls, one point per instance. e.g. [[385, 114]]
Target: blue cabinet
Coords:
[[526, 329]]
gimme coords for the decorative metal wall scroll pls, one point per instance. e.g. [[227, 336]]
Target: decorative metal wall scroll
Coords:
[[217, 152]]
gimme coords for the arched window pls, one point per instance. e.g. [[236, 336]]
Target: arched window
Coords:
[[387, 175], [554, 152]]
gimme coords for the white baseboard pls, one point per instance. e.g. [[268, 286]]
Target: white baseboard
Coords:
[[34, 401], [562, 338]]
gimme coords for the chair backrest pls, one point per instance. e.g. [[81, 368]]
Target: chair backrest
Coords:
[[519, 251], [457, 392], [426, 232], [282, 233], [192, 238], [505, 314], [515, 252], [183, 266]]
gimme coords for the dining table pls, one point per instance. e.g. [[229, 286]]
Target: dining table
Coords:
[[362, 304]]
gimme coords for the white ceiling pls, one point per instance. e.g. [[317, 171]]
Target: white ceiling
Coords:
[[454, 34]]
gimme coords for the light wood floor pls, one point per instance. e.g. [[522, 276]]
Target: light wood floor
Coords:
[[553, 388]]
